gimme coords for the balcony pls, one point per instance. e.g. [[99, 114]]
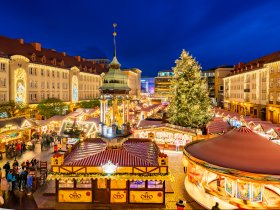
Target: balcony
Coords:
[[247, 90]]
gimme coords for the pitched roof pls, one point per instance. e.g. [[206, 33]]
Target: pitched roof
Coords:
[[9, 47], [132, 153], [17, 121]]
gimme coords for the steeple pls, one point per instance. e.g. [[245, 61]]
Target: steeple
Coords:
[[115, 63]]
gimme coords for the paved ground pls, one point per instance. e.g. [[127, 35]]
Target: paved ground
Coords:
[[176, 168], [22, 201]]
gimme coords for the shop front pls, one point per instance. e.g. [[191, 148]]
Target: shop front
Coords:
[[16, 129], [166, 134]]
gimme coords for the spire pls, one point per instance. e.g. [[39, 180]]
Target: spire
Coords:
[[115, 63], [115, 34]]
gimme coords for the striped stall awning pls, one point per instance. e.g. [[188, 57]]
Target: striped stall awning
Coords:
[[134, 152], [117, 156]]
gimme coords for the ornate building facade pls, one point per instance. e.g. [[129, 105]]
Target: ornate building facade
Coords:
[[254, 88], [30, 73]]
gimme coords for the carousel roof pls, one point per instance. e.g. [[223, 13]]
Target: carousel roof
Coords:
[[240, 149]]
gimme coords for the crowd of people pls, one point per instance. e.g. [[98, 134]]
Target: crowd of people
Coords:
[[17, 177], [15, 149]]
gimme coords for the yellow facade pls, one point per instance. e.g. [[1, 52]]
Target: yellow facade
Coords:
[[255, 92], [134, 81]]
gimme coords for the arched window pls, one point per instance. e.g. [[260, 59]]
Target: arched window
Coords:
[[33, 57], [44, 59], [54, 61]]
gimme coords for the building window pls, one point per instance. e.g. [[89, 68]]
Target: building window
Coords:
[[278, 97], [271, 82], [137, 184], [53, 73], [58, 86], [3, 97], [2, 67], [57, 74], [53, 86], [221, 87], [66, 184], [43, 85], [3, 82], [83, 183], [48, 73], [155, 184], [48, 85], [42, 96], [42, 72]]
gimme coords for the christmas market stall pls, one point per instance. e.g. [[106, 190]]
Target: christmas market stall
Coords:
[[15, 129], [164, 133], [239, 169], [128, 173]]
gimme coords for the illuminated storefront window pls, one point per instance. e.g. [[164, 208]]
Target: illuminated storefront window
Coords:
[[137, 184]]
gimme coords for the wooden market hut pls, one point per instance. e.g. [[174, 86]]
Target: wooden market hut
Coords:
[[128, 173]]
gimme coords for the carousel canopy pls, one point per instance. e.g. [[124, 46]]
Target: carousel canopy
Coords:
[[239, 149]]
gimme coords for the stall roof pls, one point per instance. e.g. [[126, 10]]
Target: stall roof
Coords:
[[132, 153], [149, 123], [17, 121], [240, 149]]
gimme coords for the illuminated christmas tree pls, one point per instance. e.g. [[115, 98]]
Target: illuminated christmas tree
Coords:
[[190, 105]]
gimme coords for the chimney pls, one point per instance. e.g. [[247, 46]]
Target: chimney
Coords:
[[63, 53], [21, 41], [36, 45], [78, 58]]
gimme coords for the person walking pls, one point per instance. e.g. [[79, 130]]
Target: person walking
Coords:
[[10, 179], [7, 168], [5, 188]]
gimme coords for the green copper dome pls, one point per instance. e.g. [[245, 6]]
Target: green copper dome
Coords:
[[115, 81]]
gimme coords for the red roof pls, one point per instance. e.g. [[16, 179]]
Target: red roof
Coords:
[[217, 126], [9, 47], [132, 153], [240, 149]]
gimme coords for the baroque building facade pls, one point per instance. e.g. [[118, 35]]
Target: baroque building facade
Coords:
[[253, 89], [30, 74]]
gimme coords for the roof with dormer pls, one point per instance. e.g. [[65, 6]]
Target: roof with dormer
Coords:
[[37, 54]]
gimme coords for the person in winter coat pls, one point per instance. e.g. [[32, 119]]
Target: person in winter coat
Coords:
[[29, 183], [10, 179], [7, 168], [5, 188]]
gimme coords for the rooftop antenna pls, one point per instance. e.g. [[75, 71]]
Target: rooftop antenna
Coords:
[[115, 34]]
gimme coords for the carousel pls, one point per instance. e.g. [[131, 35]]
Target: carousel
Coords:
[[239, 169]]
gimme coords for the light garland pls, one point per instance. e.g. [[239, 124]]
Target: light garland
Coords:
[[123, 176]]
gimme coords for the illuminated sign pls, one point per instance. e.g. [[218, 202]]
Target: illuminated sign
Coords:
[[118, 196], [74, 196], [146, 197]]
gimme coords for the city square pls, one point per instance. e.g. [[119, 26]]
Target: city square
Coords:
[[140, 105]]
